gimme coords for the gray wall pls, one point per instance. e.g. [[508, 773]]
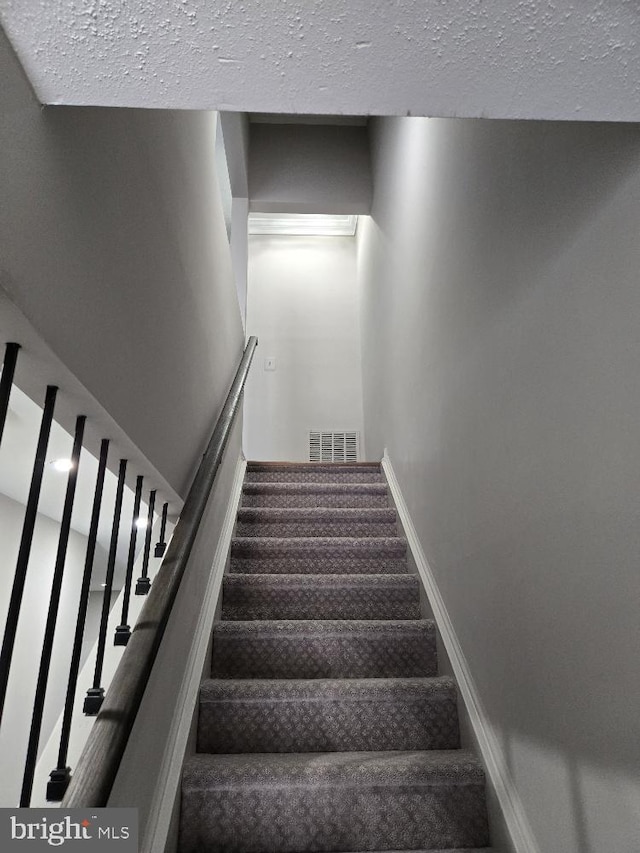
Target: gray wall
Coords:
[[303, 307], [113, 244], [309, 168], [500, 306], [235, 132]]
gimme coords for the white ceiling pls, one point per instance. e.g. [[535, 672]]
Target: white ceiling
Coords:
[[17, 453], [504, 59]]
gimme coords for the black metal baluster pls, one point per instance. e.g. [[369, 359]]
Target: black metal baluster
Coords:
[[30, 515], [123, 631], [52, 618], [143, 584], [161, 545], [61, 776], [95, 695], [6, 383]]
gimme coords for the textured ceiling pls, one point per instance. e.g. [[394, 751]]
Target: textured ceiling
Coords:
[[525, 59]]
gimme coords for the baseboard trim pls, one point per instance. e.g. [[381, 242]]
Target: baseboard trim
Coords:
[[162, 807], [516, 823]]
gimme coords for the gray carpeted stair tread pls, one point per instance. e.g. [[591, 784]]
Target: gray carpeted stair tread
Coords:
[[325, 726], [395, 768], [324, 649], [315, 494], [319, 521], [304, 513], [333, 801], [325, 715], [314, 689], [313, 472], [331, 596], [319, 555]]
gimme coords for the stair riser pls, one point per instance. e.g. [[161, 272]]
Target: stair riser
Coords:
[[246, 602], [325, 657], [318, 555], [316, 528], [322, 819], [332, 501], [259, 597], [327, 726], [310, 476], [320, 608], [301, 565]]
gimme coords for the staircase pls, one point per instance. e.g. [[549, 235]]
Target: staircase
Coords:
[[325, 726]]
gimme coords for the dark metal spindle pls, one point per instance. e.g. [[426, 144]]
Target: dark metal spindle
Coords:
[[61, 776], [161, 545], [30, 515], [95, 695], [52, 618], [123, 631], [6, 383], [143, 584]]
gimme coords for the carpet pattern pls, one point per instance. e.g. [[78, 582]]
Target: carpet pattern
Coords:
[[328, 715], [255, 596], [325, 726], [328, 495], [343, 555], [324, 649], [266, 472], [316, 521]]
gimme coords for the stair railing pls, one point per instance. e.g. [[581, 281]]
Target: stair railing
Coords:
[[61, 774], [95, 774]]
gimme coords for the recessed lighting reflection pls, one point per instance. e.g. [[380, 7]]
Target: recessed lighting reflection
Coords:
[[141, 523], [62, 464]]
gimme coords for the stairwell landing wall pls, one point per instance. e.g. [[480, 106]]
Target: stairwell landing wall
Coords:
[[501, 349], [303, 306]]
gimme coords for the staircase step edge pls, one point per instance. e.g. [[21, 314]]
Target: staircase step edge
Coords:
[[428, 768], [320, 689], [323, 627]]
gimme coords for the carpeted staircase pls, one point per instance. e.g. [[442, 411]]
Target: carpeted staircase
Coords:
[[325, 726]]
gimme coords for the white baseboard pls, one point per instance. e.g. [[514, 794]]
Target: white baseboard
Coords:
[[162, 807], [516, 823]]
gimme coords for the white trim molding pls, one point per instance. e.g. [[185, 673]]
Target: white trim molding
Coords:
[[162, 807], [516, 823]]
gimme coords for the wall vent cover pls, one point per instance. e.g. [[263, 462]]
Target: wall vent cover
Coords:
[[326, 446]]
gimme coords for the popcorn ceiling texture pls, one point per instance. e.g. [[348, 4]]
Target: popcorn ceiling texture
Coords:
[[526, 59]]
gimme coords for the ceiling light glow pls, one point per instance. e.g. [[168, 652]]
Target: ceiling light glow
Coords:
[[303, 224], [141, 523], [62, 464]]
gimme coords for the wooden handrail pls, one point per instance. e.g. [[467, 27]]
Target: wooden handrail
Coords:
[[93, 779]]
